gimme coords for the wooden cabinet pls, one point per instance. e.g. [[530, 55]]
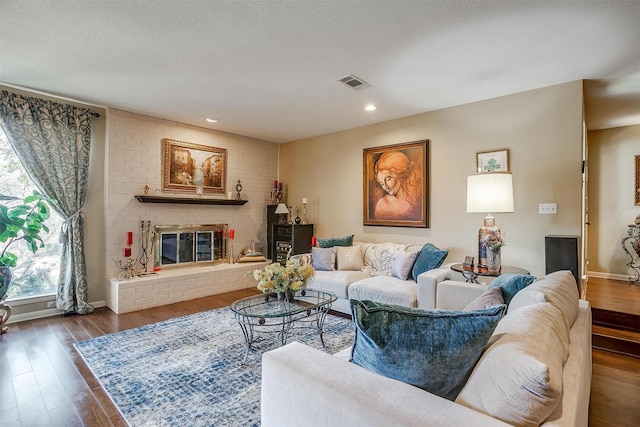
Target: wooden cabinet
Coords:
[[294, 237]]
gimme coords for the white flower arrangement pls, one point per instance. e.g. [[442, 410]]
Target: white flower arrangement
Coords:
[[276, 277]]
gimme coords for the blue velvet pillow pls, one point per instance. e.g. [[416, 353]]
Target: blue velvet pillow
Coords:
[[435, 350], [335, 241], [511, 284], [430, 257]]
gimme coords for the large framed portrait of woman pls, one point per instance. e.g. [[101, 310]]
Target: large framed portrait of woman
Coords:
[[395, 179]]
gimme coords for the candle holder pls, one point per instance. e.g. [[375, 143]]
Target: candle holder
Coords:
[[304, 213], [144, 243], [127, 268]]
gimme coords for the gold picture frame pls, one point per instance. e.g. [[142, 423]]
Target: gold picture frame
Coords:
[[185, 166], [395, 180], [492, 161], [637, 186]]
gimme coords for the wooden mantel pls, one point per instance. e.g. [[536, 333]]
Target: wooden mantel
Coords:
[[189, 200]]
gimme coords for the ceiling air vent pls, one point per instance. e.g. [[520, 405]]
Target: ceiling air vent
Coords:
[[354, 82]]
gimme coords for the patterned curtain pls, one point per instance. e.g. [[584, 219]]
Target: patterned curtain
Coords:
[[52, 141]]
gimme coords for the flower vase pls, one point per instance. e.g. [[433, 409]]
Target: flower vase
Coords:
[[493, 259]]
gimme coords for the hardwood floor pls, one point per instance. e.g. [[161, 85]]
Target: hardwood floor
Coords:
[[44, 382]]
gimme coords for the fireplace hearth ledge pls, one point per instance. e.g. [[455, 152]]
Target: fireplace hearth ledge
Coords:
[[179, 284]]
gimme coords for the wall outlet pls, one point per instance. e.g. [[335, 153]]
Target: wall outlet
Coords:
[[548, 208], [51, 304]]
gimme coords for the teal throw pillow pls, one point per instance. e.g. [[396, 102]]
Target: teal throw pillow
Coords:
[[335, 241], [435, 350], [511, 284], [430, 257]]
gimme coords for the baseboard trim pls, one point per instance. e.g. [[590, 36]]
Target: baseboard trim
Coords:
[[40, 314], [611, 276]]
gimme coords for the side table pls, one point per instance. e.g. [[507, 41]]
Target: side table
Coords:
[[471, 273]]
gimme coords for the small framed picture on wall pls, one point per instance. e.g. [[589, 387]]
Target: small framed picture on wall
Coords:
[[637, 180], [493, 161]]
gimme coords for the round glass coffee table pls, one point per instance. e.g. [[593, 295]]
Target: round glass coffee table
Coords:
[[268, 314], [471, 273]]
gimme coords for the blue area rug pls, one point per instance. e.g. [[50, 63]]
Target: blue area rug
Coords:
[[187, 371]]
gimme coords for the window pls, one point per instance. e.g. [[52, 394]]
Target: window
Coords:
[[36, 274]]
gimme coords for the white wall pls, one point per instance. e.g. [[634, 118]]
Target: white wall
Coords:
[[134, 159], [611, 197], [542, 130]]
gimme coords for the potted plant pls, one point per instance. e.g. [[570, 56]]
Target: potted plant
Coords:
[[20, 220]]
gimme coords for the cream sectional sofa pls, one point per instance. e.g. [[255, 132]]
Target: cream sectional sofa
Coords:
[[375, 283], [547, 330]]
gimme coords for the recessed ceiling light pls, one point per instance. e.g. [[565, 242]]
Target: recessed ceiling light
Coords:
[[212, 120], [370, 107]]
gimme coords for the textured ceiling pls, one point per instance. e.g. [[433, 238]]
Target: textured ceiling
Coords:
[[269, 69]]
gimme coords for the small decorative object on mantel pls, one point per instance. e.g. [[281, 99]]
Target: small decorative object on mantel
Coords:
[[146, 190], [238, 190], [304, 210], [281, 279], [298, 220]]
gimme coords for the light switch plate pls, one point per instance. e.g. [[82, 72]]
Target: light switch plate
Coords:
[[548, 208]]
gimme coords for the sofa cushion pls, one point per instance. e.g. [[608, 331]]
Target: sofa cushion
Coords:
[[349, 257], [559, 289], [511, 284], [518, 380], [379, 258], [435, 350], [335, 241], [385, 289], [337, 282], [489, 298], [323, 259], [403, 265], [430, 257]]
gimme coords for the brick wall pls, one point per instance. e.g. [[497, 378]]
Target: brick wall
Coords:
[[134, 159]]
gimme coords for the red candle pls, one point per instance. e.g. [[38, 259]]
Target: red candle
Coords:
[[313, 241], [129, 237], [232, 233], [126, 252]]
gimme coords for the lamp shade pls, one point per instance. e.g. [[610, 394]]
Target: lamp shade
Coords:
[[282, 209], [490, 193]]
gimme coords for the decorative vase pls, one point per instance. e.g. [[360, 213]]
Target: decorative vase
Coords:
[[493, 259], [6, 275]]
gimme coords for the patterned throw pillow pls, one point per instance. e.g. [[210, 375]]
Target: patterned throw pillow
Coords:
[[379, 258], [435, 350]]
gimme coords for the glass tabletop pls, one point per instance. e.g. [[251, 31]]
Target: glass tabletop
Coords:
[[267, 305]]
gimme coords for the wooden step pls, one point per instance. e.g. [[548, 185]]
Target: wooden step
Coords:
[[616, 319], [616, 340]]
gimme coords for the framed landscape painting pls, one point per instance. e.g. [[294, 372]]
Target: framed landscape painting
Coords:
[[395, 180], [186, 166], [637, 186]]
